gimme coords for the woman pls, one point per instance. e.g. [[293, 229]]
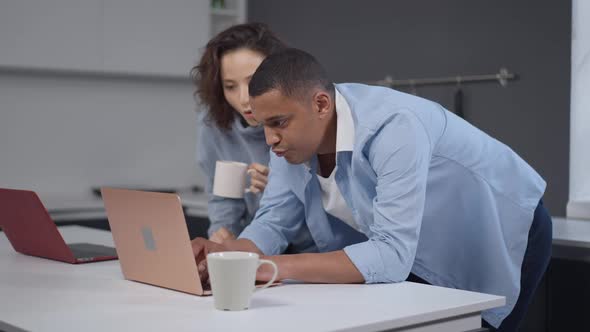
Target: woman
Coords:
[[228, 130]]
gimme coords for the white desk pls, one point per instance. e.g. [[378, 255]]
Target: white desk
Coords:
[[42, 295], [571, 239], [571, 232]]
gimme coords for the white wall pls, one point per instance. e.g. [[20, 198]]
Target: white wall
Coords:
[[125, 36], [66, 134], [579, 192], [96, 92]]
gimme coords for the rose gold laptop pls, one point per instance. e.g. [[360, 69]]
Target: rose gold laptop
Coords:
[[152, 239]]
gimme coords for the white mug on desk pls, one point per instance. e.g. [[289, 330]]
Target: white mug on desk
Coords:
[[233, 275], [230, 179]]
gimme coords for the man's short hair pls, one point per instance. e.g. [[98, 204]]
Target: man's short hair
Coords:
[[293, 72]]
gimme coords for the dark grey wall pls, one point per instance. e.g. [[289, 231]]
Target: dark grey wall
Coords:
[[365, 40]]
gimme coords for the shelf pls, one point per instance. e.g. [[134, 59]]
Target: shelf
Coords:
[[64, 72], [224, 12]]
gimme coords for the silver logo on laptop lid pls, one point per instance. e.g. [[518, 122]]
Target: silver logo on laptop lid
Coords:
[[148, 238]]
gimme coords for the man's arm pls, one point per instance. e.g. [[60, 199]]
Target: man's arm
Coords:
[[399, 155], [281, 214], [332, 267]]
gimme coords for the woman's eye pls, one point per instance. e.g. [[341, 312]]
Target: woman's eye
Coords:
[[229, 87]]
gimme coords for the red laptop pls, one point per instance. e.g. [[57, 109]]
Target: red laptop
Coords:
[[31, 231]]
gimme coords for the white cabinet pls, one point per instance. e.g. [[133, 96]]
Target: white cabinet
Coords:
[[154, 36], [145, 37], [56, 34]]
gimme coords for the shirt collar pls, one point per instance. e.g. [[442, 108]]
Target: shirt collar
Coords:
[[344, 125]]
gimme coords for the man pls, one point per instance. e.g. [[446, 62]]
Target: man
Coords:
[[391, 187]]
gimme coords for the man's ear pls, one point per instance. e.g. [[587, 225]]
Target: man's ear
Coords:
[[323, 103]]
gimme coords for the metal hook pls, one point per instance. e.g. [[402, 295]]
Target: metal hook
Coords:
[[503, 76]]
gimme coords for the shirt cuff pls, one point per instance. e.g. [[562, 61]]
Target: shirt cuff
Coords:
[[263, 237], [366, 258]]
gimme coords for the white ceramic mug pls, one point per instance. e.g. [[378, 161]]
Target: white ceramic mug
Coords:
[[233, 276], [230, 179]]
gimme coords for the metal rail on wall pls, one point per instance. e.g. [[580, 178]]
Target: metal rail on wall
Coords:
[[502, 77]]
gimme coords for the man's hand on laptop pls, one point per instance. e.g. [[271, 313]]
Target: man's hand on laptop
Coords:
[[202, 247]]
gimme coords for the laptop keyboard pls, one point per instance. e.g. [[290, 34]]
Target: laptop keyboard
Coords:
[[87, 250]]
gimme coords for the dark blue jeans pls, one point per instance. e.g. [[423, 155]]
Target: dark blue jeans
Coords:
[[535, 262]]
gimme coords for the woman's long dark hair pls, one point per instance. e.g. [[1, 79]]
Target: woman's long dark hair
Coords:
[[207, 74]]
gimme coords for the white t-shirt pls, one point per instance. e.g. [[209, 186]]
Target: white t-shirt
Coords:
[[332, 200]]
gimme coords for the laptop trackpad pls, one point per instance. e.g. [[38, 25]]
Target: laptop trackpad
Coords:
[[87, 250]]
